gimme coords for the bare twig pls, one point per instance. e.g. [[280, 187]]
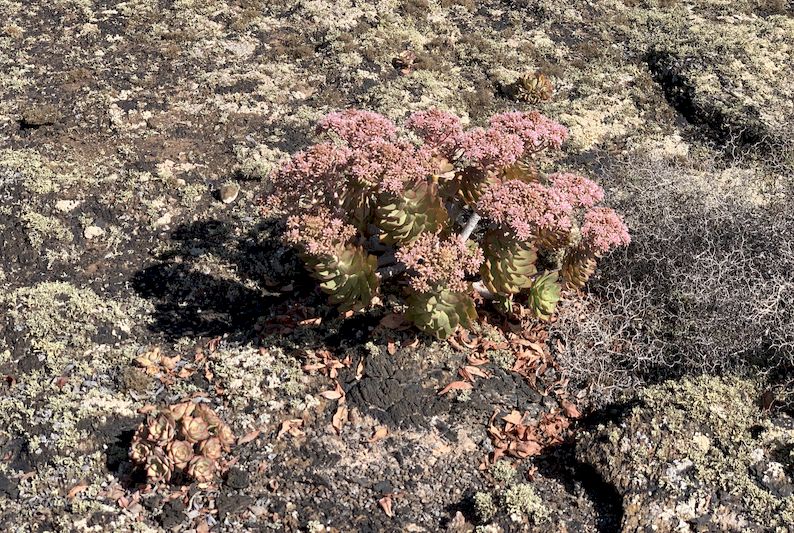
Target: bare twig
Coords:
[[470, 225]]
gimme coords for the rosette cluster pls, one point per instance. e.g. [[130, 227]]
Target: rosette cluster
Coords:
[[186, 439]]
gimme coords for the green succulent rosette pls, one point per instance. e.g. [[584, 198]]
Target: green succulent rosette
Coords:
[[349, 277], [417, 210], [359, 204], [440, 313], [544, 295], [577, 266], [509, 264]]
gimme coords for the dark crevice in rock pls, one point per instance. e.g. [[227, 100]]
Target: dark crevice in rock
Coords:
[[576, 476], [672, 74]]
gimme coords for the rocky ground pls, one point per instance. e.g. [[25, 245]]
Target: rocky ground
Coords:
[[135, 143]]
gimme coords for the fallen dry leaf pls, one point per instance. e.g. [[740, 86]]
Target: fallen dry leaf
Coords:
[[291, 426], [77, 489], [169, 362], [185, 372], [455, 385], [474, 371], [514, 418], [455, 344], [526, 449], [212, 345], [385, 503], [248, 437], [379, 433], [331, 394], [477, 361], [340, 417], [571, 411]]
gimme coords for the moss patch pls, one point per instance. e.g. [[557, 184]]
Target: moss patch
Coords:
[[697, 450], [58, 315]]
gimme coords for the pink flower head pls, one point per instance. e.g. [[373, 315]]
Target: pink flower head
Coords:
[[581, 192], [320, 234], [490, 149], [535, 130], [309, 174], [435, 264], [525, 208], [389, 166], [603, 229], [438, 129], [358, 127]]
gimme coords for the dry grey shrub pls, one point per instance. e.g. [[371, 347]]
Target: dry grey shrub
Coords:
[[707, 284]]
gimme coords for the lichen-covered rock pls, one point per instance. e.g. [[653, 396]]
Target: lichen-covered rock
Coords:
[[698, 455]]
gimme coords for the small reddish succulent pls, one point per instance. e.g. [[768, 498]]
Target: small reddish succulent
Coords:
[[202, 469], [369, 203], [195, 429], [186, 438]]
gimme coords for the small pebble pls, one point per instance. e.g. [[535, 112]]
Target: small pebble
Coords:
[[93, 232], [229, 192]]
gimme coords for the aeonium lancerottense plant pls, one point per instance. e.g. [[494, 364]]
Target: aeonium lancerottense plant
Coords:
[[370, 203]]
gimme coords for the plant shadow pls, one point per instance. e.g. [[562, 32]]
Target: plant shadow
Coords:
[[212, 281]]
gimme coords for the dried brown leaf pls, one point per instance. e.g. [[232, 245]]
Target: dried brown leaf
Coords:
[[455, 385], [570, 409], [474, 371], [385, 504], [514, 418], [248, 437], [291, 426], [379, 433], [340, 417], [331, 395], [77, 489]]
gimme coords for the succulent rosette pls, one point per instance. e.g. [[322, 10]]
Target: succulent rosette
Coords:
[[202, 469], [195, 429], [180, 452], [161, 427]]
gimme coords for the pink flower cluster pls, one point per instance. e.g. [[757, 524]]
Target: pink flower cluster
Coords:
[[320, 234], [357, 127], [435, 264], [603, 229], [389, 166], [308, 176], [535, 130], [580, 191], [525, 208], [368, 155], [490, 149], [438, 129]]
